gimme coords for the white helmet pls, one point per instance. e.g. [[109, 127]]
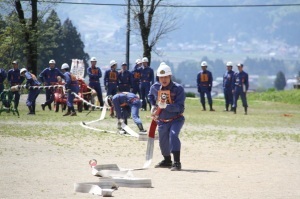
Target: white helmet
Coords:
[[112, 62], [108, 101], [138, 61], [93, 59], [203, 63], [163, 70], [145, 59], [52, 61], [229, 63], [23, 70], [64, 66]]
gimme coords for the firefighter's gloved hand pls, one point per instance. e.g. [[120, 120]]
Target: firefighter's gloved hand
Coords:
[[162, 105], [153, 110], [119, 124]]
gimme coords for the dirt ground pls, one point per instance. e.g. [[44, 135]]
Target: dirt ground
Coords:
[[43, 168], [35, 168]]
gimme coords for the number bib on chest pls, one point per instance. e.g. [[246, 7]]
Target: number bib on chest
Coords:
[[167, 93]]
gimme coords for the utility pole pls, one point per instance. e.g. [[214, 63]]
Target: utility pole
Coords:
[[128, 34]]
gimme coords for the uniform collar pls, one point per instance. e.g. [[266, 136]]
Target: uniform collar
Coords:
[[168, 87]]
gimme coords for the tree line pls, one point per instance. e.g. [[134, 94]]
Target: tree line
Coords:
[[53, 40]]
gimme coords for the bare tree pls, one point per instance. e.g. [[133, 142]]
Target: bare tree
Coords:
[[152, 23]]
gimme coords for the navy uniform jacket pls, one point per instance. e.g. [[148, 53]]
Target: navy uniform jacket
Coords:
[[204, 80], [111, 76], [124, 77], [227, 79], [71, 82], [176, 107], [240, 79], [2, 75], [49, 76], [14, 77], [94, 74], [31, 80], [136, 75], [123, 99], [147, 75]]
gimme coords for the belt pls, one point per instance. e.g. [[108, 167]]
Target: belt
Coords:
[[145, 81], [112, 82], [94, 81], [171, 119]]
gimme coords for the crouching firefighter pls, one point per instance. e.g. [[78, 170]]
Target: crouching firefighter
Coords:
[[71, 86], [167, 99], [126, 104], [33, 92]]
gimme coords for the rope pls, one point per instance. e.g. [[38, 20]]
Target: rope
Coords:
[[39, 87]]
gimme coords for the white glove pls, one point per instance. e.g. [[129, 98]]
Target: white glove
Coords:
[[153, 110], [162, 105]]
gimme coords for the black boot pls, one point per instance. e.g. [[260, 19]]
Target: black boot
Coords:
[[245, 108], [204, 108], [49, 106], [68, 113], [234, 110], [43, 106], [33, 109], [30, 110], [226, 107], [141, 128], [211, 108], [177, 165], [73, 113], [166, 163]]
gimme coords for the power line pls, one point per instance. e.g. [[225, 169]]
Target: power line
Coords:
[[177, 6]]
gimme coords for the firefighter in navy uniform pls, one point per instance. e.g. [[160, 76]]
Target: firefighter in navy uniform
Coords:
[[147, 79], [240, 86], [136, 76], [204, 83], [33, 92], [170, 120], [3, 76], [14, 78], [71, 85], [95, 74], [227, 87], [49, 77], [111, 82], [124, 79], [126, 104]]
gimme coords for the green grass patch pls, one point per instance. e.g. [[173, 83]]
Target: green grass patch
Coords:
[[269, 118], [287, 97]]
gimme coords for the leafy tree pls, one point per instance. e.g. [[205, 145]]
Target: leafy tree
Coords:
[[50, 40], [72, 45], [280, 81], [11, 40]]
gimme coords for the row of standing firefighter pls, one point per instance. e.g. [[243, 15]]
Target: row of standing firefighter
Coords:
[[137, 81], [235, 85]]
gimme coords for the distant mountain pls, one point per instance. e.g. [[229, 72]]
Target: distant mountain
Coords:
[[216, 29]]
